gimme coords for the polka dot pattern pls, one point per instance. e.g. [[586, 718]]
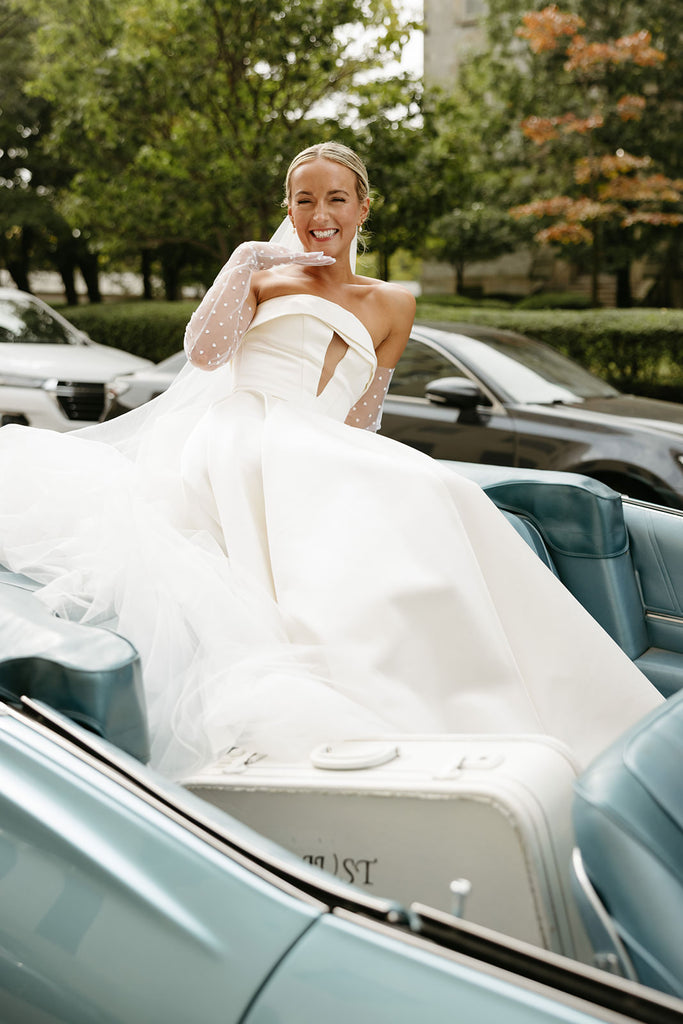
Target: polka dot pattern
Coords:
[[221, 319], [367, 412]]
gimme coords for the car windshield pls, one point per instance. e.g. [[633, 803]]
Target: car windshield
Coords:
[[27, 323], [531, 373]]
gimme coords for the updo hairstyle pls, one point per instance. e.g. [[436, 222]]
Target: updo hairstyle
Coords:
[[339, 154]]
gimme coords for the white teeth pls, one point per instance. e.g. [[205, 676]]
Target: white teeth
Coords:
[[324, 234]]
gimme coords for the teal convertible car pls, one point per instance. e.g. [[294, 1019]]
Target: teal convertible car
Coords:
[[442, 878]]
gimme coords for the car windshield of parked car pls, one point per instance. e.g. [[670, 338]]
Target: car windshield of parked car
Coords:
[[531, 373], [27, 323]]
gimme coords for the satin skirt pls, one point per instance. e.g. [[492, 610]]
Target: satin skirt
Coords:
[[289, 580]]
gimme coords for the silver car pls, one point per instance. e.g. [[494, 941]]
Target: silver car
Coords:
[[51, 374]]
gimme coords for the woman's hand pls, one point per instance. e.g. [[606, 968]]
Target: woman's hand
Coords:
[[264, 255]]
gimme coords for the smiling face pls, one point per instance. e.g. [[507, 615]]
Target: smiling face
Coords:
[[324, 206]]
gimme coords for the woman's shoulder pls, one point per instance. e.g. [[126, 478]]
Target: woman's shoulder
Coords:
[[391, 311], [390, 294]]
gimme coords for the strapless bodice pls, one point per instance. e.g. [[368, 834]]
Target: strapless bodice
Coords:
[[283, 353]]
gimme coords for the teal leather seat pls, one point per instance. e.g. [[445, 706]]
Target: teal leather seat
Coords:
[[582, 524], [656, 536], [532, 535], [90, 674], [628, 820], [623, 562]]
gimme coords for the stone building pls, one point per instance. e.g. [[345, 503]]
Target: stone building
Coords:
[[451, 27]]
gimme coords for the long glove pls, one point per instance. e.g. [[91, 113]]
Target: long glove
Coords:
[[221, 319], [367, 412]]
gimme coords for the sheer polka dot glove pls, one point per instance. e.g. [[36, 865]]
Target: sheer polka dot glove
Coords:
[[367, 412], [221, 319]]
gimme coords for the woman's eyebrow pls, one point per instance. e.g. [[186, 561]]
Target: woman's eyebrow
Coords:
[[331, 192]]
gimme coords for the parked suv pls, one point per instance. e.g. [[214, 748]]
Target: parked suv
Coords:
[[51, 374]]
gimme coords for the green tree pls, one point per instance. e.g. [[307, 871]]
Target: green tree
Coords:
[[478, 231], [612, 189], [24, 208], [513, 84], [33, 231], [182, 115], [413, 169], [473, 223]]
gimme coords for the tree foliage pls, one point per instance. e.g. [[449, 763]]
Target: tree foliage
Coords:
[[474, 126], [31, 227], [414, 168], [182, 115], [616, 187], [479, 231], [592, 112]]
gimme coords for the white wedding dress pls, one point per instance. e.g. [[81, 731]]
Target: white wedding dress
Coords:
[[290, 580]]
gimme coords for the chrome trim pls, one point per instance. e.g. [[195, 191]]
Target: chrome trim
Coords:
[[663, 617], [639, 503], [621, 964]]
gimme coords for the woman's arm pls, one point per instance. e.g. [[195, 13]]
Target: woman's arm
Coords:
[[400, 309], [367, 412], [400, 306], [221, 319]]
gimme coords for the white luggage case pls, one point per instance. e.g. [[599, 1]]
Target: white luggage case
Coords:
[[405, 817]]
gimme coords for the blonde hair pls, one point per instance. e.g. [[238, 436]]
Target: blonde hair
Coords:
[[339, 154]]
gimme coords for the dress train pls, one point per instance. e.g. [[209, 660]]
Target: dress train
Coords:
[[290, 580]]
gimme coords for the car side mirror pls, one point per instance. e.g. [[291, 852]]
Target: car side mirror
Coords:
[[456, 392]]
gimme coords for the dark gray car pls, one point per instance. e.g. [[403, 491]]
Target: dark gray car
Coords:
[[478, 394]]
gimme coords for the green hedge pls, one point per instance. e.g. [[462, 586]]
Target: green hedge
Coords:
[[555, 300], [150, 329], [635, 349]]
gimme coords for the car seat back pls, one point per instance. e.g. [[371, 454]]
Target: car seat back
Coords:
[[656, 536], [628, 820], [582, 524], [90, 674]]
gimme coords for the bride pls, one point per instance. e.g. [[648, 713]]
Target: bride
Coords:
[[288, 578]]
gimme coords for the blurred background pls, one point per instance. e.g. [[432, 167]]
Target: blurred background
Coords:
[[523, 157]]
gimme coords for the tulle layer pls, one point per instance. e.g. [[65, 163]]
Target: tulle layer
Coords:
[[289, 580]]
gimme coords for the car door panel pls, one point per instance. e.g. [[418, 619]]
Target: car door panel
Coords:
[[656, 540], [480, 435], [112, 911], [468, 435], [547, 440], [340, 971]]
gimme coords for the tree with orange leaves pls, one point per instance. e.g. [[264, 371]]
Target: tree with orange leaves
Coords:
[[611, 188]]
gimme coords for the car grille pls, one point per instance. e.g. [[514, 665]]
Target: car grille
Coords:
[[80, 401]]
